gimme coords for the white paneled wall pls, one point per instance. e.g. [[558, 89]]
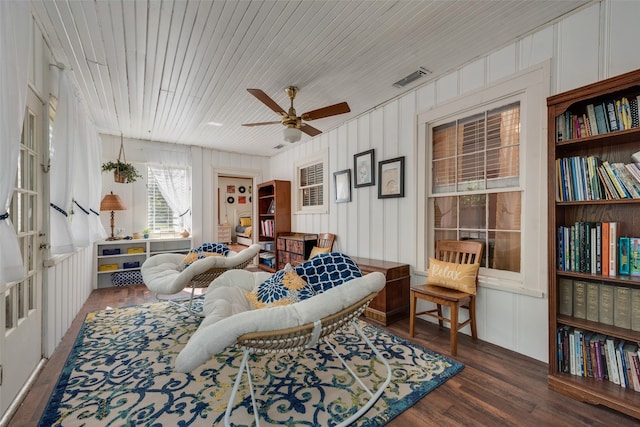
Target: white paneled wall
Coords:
[[585, 47], [68, 281]]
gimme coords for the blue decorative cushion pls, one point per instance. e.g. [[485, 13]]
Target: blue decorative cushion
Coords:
[[126, 278], [219, 248], [325, 271], [284, 287], [313, 277], [203, 251]]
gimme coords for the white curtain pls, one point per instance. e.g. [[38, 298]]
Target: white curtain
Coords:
[[15, 53], [175, 186], [61, 173], [76, 177]]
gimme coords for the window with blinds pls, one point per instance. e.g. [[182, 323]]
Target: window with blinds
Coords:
[[311, 185], [475, 190], [160, 217], [311, 189]]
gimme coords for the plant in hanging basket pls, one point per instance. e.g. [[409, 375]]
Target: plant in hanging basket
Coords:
[[122, 172]]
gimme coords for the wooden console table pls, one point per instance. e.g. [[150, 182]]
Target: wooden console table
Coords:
[[392, 303]]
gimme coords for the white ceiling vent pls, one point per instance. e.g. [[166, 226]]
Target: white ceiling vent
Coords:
[[412, 77]]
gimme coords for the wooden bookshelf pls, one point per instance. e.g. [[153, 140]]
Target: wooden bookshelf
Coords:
[[274, 218], [612, 146]]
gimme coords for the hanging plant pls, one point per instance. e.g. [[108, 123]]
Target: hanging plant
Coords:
[[123, 172]]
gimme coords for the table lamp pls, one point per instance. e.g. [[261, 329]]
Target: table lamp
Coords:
[[111, 202]]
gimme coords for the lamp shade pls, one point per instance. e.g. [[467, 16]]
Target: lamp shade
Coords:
[[111, 202], [292, 134]]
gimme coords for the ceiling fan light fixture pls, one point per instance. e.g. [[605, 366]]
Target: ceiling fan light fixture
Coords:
[[291, 134]]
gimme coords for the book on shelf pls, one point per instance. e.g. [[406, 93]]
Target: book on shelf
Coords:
[[634, 256], [601, 119], [622, 368], [565, 300], [623, 255], [593, 301], [622, 307], [613, 252], [635, 309], [612, 363], [579, 299], [605, 310]]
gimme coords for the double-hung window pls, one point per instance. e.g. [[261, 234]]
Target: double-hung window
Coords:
[[484, 178], [311, 189], [475, 192]]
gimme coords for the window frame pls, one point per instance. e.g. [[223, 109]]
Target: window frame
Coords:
[[531, 88], [150, 177], [320, 157]]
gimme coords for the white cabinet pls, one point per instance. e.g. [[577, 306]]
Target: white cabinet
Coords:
[[224, 234], [120, 260]]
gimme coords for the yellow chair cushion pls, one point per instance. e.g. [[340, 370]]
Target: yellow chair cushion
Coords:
[[461, 277], [317, 251], [245, 222]]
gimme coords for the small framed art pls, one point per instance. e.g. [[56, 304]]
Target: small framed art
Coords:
[[391, 175], [342, 184], [364, 169]]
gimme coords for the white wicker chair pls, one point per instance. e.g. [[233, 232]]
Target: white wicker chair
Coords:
[[164, 275], [231, 320]]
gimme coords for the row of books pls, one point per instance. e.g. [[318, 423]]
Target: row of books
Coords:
[[600, 118], [588, 247], [267, 227], [600, 302], [594, 355], [589, 178], [595, 248]]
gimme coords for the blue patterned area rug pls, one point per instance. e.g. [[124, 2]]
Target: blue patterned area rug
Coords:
[[120, 373]]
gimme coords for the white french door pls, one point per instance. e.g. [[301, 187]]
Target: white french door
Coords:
[[21, 310]]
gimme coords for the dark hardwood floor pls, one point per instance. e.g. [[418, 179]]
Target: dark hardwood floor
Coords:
[[497, 387]]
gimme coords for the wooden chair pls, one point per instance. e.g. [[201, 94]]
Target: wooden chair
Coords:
[[325, 240], [461, 252]]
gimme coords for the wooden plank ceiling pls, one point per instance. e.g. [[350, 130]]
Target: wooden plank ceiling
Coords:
[[162, 70]]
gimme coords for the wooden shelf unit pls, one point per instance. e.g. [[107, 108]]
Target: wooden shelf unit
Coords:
[[274, 194], [615, 146]]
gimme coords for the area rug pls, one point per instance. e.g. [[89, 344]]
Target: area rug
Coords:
[[120, 373]]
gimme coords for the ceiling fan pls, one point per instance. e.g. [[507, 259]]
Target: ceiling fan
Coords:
[[292, 122]]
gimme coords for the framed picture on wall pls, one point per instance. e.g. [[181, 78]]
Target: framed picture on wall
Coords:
[[342, 184], [364, 169], [391, 175]]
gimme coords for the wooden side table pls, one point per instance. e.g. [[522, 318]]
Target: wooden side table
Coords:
[[224, 234], [392, 303]]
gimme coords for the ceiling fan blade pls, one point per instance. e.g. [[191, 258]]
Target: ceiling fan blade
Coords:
[[309, 130], [266, 100], [261, 123], [331, 110]]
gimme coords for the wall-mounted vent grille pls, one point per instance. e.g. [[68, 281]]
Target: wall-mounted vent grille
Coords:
[[412, 77]]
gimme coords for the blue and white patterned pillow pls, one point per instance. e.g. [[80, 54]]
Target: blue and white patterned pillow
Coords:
[[326, 271], [219, 248], [283, 287], [203, 251]]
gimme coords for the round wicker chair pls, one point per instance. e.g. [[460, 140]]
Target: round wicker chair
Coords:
[[164, 274], [231, 320]]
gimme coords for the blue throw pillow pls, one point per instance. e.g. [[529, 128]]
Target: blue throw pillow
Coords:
[[283, 287], [219, 248], [326, 271]]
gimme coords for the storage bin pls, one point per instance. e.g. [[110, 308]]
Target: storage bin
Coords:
[[133, 264], [108, 267], [135, 250], [114, 251]]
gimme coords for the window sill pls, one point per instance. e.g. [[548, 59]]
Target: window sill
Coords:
[[514, 287]]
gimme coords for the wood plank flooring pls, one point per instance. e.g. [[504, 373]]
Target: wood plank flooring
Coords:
[[497, 387]]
